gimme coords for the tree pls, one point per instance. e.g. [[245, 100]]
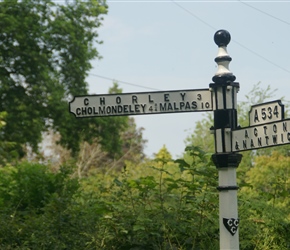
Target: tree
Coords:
[[6, 148], [265, 202], [270, 177], [92, 157], [45, 53], [201, 135]]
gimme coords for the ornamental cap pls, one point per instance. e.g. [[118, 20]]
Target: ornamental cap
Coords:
[[222, 38], [223, 74]]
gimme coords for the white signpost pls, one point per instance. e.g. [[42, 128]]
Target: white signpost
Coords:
[[267, 126], [266, 112], [142, 103]]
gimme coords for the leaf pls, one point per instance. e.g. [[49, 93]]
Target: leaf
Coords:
[[138, 228]]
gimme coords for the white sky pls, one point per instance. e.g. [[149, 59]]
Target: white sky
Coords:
[[167, 45]]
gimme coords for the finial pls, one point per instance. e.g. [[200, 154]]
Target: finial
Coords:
[[222, 38], [223, 74]]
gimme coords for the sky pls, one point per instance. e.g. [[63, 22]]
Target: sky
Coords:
[[168, 45]]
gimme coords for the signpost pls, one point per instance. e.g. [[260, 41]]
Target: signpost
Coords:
[[142, 103], [266, 112], [267, 126], [265, 134], [225, 120]]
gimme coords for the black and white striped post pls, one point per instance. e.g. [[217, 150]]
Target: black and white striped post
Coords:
[[225, 91]]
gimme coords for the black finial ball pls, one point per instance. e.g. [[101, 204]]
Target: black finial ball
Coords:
[[222, 38]]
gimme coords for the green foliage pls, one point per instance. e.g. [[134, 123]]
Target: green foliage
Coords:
[[45, 54], [33, 202], [159, 204], [7, 149], [270, 178], [163, 155], [263, 177], [201, 135], [265, 202]]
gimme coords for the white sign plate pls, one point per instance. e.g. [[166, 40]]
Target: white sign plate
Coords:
[[262, 136], [266, 112], [142, 103]]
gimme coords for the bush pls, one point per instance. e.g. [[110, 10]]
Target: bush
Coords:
[[155, 205]]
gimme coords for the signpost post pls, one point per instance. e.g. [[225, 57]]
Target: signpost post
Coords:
[[225, 120], [267, 126]]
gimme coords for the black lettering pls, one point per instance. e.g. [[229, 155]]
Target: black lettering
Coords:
[[109, 109], [245, 144], [270, 113], [246, 134], [285, 126], [267, 140], [137, 106], [84, 111], [95, 113], [166, 97], [120, 109], [134, 99], [130, 109], [256, 117], [102, 110], [274, 139], [143, 107], [78, 111], [275, 128], [252, 143], [118, 100], [181, 105], [194, 105], [150, 100], [265, 130], [86, 101], [237, 147], [182, 96], [125, 108], [199, 97], [170, 106], [90, 110], [102, 100], [282, 138], [276, 113], [162, 106], [288, 136], [259, 141], [263, 111], [187, 105], [256, 132], [174, 105], [115, 109]]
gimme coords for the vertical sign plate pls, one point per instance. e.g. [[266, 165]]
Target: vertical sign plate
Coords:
[[266, 112]]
